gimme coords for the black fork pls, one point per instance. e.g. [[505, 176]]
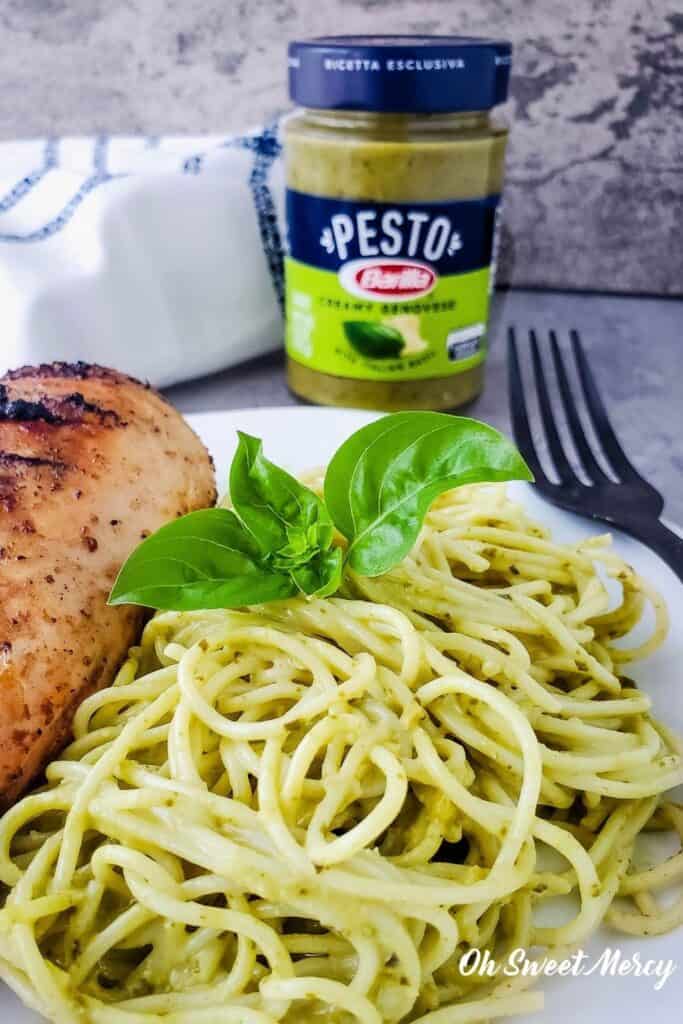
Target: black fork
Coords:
[[628, 501]]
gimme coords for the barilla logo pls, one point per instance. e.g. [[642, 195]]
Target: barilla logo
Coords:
[[383, 279]]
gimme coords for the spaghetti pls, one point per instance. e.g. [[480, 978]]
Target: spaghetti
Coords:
[[312, 809]]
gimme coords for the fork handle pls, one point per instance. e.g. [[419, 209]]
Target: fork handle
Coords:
[[663, 541]]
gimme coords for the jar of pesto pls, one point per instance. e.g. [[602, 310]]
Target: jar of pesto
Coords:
[[394, 164]]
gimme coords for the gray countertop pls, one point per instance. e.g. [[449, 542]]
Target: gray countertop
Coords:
[[635, 347]]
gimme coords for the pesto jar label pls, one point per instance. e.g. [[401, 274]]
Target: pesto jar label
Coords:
[[388, 291]]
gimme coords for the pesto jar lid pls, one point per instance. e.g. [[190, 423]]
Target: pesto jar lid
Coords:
[[399, 74]]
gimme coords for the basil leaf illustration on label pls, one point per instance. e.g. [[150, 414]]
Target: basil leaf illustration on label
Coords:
[[373, 340], [381, 482], [287, 520], [205, 559]]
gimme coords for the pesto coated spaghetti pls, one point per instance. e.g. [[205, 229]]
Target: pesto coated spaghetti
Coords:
[[311, 810]]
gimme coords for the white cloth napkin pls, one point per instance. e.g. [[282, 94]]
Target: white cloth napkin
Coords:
[[160, 257]]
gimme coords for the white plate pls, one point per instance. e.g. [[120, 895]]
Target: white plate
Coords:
[[301, 438]]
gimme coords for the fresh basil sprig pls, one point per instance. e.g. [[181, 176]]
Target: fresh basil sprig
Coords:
[[277, 543], [205, 559], [287, 520], [381, 482], [279, 540]]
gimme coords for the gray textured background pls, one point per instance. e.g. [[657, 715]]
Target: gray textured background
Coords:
[[594, 197]]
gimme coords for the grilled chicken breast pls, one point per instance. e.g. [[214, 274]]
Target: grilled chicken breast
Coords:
[[91, 462]]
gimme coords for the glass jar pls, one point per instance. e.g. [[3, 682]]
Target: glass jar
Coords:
[[392, 197]]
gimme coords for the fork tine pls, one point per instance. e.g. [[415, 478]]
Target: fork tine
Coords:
[[518, 412], [557, 453], [601, 424], [593, 469]]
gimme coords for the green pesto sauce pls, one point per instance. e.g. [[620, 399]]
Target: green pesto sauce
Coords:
[[395, 158]]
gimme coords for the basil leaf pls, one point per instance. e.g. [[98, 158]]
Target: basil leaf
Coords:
[[322, 575], [203, 560], [287, 520], [381, 482]]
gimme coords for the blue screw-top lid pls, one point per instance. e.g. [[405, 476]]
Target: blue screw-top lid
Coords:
[[399, 74]]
